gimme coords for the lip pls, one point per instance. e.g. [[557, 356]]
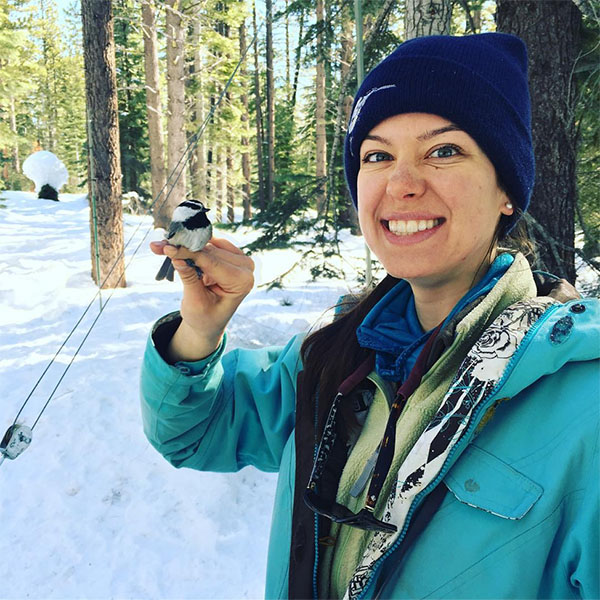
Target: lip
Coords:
[[411, 216], [412, 238]]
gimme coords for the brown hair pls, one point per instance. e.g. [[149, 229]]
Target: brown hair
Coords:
[[332, 353], [518, 240]]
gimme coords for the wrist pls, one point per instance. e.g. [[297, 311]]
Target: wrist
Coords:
[[189, 345]]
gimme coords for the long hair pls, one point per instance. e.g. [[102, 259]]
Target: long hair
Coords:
[[332, 353]]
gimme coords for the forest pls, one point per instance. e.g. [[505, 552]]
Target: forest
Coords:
[[244, 104]]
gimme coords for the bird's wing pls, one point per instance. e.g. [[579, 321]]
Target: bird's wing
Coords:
[[174, 228]]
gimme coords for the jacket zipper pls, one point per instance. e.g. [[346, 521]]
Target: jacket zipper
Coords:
[[315, 589], [462, 444]]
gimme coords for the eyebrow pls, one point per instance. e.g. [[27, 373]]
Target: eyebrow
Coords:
[[423, 137], [430, 134], [378, 138]]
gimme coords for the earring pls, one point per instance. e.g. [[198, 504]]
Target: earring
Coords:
[[509, 205]]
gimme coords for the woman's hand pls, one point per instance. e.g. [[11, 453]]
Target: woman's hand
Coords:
[[208, 302]]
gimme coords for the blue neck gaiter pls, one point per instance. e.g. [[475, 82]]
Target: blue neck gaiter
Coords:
[[393, 330]]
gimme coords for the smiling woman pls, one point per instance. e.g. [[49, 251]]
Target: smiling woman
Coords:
[[428, 206], [441, 433]]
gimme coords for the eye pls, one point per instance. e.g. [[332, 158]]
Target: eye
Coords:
[[374, 157], [446, 151]]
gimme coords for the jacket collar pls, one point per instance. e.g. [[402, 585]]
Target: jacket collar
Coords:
[[393, 330]]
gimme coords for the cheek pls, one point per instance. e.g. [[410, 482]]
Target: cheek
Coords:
[[364, 222], [367, 198]]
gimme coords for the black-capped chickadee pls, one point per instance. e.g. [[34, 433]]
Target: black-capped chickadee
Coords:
[[189, 228]]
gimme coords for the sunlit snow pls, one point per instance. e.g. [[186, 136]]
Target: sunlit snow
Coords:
[[43, 168]]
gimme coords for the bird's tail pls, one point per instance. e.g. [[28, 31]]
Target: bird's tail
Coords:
[[166, 271]]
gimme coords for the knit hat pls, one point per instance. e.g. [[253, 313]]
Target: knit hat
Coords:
[[478, 82]]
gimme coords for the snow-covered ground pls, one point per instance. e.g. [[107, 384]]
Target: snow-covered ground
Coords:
[[90, 510]]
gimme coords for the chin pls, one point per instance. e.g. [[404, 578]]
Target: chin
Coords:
[[408, 272]]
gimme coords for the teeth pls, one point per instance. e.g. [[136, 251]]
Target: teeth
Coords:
[[408, 227]]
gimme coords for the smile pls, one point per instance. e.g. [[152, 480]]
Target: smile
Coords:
[[402, 228]]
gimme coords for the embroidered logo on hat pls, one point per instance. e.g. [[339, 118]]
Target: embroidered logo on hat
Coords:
[[361, 102]]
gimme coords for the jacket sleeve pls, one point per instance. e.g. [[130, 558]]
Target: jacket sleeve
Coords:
[[224, 412]]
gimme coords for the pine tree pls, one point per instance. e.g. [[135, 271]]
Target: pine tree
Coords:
[[102, 108], [176, 123], [245, 141], [133, 125], [71, 119], [427, 17], [270, 93], [16, 84], [555, 25], [320, 130], [154, 114]]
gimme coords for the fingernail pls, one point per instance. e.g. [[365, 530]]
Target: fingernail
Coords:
[[179, 264]]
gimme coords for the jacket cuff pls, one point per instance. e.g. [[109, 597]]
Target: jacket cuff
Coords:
[[162, 332]]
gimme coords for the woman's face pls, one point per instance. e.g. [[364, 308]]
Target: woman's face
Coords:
[[428, 199]]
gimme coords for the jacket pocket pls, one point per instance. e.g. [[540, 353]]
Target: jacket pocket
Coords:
[[483, 481]]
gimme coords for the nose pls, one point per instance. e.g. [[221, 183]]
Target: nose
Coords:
[[405, 182]]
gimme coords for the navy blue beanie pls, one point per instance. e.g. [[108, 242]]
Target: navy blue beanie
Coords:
[[478, 82]]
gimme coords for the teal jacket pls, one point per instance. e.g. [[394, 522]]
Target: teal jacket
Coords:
[[520, 519]]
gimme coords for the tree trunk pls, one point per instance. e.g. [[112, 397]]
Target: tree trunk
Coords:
[[199, 159], [212, 192], [427, 17], [270, 107], [288, 81], [154, 112], [102, 110], [176, 141], [230, 188], [13, 127], [551, 31], [49, 93], [321, 134], [245, 135], [221, 187], [297, 63], [347, 212], [258, 111]]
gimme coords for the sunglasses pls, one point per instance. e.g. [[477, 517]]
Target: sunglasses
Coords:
[[338, 513]]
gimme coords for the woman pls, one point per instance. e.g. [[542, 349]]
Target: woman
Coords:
[[440, 438]]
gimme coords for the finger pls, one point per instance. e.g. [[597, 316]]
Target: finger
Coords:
[[189, 275], [215, 254], [226, 245], [158, 247], [206, 288], [231, 278], [238, 259]]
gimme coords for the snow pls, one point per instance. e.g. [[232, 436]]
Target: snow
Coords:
[[90, 509], [43, 167]]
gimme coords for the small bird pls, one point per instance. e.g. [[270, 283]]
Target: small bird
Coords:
[[189, 228]]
